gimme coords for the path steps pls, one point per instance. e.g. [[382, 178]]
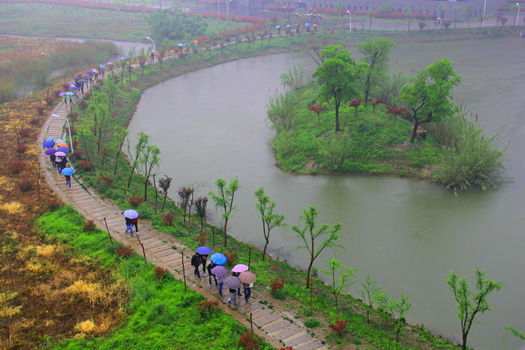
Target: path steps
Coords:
[[276, 327]]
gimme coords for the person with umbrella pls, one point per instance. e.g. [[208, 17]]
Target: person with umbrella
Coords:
[[129, 215], [204, 251], [196, 262], [220, 272], [233, 283], [58, 161], [51, 153], [67, 172], [210, 266], [236, 271], [247, 278]]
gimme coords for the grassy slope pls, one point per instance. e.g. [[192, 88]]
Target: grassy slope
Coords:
[[160, 314], [371, 141], [69, 21]]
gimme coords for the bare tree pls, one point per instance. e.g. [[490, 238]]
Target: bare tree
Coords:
[[164, 184]]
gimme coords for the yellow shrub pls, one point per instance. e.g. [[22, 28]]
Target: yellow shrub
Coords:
[[89, 290], [46, 251], [6, 183], [86, 327], [12, 208], [34, 266]]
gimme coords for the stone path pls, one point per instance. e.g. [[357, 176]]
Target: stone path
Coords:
[[278, 328]]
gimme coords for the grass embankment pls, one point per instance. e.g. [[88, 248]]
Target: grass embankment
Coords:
[[379, 333], [29, 65], [73, 21], [160, 314], [371, 141]]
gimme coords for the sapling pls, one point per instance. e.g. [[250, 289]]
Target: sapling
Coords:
[[399, 308], [369, 294], [164, 184], [200, 208], [266, 206], [344, 279], [224, 199]]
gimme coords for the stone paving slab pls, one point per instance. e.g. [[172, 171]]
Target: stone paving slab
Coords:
[[288, 332], [160, 249], [298, 340], [267, 319], [277, 326], [309, 346], [260, 313], [165, 253]]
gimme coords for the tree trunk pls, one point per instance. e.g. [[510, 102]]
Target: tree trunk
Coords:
[[225, 234], [464, 345], [146, 189], [337, 129], [308, 271], [130, 176], [264, 250], [165, 196], [414, 131], [116, 162]]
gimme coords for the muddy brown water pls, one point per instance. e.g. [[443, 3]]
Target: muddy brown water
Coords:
[[404, 233]]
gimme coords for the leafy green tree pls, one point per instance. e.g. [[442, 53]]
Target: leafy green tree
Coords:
[[343, 280], [469, 303], [429, 94], [141, 144], [338, 76], [312, 232], [515, 332], [398, 309], [146, 164], [376, 53], [266, 206], [369, 293], [224, 199], [166, 24]]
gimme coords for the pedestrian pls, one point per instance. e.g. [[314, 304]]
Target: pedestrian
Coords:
[[65, 100], [136, 224], [233, 296], [129, 226], [196, 262], [220, 281], [236, 274], [211, 265], [203, 260], [58, 162], [63, 163], [52, 157], [68, 180], [247, 290], [152, 56]]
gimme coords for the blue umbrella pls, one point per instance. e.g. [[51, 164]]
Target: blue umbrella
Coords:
[[63, 149], [307, 24], [74, 87], [218, 259], [287, 26], [102, 66], [68, 171], [69, 93], [76, 78], [277, 26], [48, 144], [50, 151], [203, 250], [59, 140], [181, 45], [89, 72], [50, 138], [122, 58]]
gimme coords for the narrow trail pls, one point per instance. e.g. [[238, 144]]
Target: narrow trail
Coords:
[[277, 327]]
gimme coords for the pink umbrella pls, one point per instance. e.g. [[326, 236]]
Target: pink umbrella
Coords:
[[240, 268], [60, 154]]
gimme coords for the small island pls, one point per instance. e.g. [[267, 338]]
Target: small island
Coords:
[[357, 118]]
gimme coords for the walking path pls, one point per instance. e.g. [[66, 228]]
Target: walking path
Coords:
[[276, 327]]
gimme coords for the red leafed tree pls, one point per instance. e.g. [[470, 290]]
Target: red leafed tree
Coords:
[[356, 102], [377, 103], [317, 108], [395, 112], [339, 326]]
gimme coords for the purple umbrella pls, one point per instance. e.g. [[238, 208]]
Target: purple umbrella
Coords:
[[89, 72], [122, 58], [109, 62], [219, 271], [48, 144], [63, 149], [62, 93], [84, 75], [60, 154], [240, 268], [73, 87], [50, 151], [131, 214], [76, 78], [203, 250], [232, 282]]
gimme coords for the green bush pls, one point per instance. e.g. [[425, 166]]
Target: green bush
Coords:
[[311, 323]]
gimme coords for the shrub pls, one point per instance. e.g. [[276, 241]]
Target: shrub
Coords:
[[25, 186], [22, 148], [50, 100], [339, 326], [277, 284], [16, 167], [124, 252], [208, 308], [249, 341], [40, 110], [35, 121], [88, 226], [25, 132], [160, 273], [232, 258], [105, 181], [53, 204], [168, 219], [78, 155], [85, 165], [311, 323], [135, 201]]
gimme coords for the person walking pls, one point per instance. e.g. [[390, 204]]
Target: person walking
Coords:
[[129, 226], [233, 295], [220, 282], [203, 261], [236, 274], [247, 291], [196, 263], [58, 162], [211, 265], [68, 180], [63, 163], [136, 224], [52, 157]]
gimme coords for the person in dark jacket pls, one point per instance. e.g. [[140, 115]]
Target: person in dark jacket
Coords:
[[129, 226], [136, 224], [236, 274], [233, 296], [52, 157], [68, 180], [247, 291], [203, 261], [211, 265], [196, 262]]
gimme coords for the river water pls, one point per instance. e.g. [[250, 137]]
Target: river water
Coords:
[[404, 233]]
